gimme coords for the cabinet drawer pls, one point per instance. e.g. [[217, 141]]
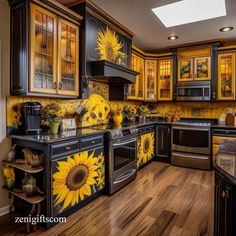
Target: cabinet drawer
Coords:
[[91, 142], [219, 139], [64, 148]]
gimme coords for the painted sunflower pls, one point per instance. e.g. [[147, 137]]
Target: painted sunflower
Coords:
[[74, 179], [108, 44], [101, 178], [145, 148]]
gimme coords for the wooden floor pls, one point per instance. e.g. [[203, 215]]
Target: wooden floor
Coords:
[[163, 200]]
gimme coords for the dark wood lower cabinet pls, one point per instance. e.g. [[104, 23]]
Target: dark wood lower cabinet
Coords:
[[163, 143], [225, 221]]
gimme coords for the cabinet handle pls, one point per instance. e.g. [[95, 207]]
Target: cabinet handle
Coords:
[[55, 85], [214, 95], [223, 194], [68, 149], [60, 85]]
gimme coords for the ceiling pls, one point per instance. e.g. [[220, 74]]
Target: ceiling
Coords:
[[151, 34]]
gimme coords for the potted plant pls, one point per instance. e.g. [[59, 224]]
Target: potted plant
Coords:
[[130, 112], [142, 112], [53, 113]]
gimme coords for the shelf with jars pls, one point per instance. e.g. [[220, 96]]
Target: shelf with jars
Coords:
[[226, 76], [45, 56]]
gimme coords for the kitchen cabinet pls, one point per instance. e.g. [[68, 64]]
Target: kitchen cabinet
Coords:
[[224, 207], [194, 64], [45, 55], [136, 90], [145, 146], [165, 79], [163, 143], [226, 76], [150, 80]]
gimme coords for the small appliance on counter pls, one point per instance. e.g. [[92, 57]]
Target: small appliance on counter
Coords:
[[32, 117]]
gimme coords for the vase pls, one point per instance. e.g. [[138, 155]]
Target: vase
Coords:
[[10, 183], [53, 127], [132, 120], [118, 118]]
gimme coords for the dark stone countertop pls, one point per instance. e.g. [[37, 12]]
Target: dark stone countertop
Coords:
[[225, 161], [63, 136]]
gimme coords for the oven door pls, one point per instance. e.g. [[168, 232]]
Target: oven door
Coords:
[[191, 139]]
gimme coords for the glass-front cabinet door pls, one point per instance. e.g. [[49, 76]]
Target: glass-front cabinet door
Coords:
[[202, 68], [43, 51], [226, 76], [150, 80], [68, 58], [165, 80], [185, 70], [136, 91]]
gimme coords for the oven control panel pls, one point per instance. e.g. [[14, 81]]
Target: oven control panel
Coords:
[[119, 133]]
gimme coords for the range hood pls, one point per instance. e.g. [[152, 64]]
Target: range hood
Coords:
[[110, 73]]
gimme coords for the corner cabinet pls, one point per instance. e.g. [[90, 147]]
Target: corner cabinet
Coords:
[[44, 49], [226, 76], [136, 90], [165, 80], [150, 80], [194, 64]]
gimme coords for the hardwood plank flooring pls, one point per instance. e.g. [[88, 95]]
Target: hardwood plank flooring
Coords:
[[164, 200]]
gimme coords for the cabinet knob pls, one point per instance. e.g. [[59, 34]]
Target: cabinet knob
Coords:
[[55, 85], [93, 142], [60, 86], [223, 194], [67, 148], [214, 95]]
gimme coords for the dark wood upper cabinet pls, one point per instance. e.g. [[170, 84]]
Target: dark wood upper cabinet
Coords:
[[103, 42], [44, 49]]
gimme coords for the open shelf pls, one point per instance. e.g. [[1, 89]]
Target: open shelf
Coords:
[[34, 199], [24, 167]]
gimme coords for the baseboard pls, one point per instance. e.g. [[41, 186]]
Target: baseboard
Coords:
[[4, 210]]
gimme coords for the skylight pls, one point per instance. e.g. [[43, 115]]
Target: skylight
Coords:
[[189, 11]]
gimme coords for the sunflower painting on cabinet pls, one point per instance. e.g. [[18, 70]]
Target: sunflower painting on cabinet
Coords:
[[145, 148], [109, 47], [76, 177]]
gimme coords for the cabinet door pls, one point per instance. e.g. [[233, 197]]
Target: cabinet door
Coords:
[[132, 91], [202, 68], [163, 143], [165, 80], [224, 208], [43, 51], [226, 76], [75, 178], [68, 61], [150, 80], [185, 70], [145, 148]]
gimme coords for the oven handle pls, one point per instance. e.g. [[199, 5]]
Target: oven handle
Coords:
[[125, 176], [190, 128], [190, 156], [124, 143]]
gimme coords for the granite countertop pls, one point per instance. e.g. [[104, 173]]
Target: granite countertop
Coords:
[[63, 136], [225, 160], [223, 126]]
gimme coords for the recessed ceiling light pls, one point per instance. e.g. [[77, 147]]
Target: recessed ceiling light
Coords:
[[226, 29], [189, 11], [173, 37]]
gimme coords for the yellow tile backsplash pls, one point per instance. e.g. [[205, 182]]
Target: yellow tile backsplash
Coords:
[[99, 107]]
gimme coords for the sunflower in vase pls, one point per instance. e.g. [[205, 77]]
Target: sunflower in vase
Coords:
[[142, 112], [53, 114], [9, 175], [130, 112]]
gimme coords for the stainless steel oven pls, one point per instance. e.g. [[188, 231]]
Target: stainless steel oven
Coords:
[[191, 145], [122, 159], [194, 91]]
